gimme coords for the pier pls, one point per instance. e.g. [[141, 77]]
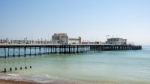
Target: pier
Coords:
[[24, 50], [30, 50], [18, 50]]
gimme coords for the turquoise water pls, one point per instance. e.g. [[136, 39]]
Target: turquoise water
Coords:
[[110, 67]]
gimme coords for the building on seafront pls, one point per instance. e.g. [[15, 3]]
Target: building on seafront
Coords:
[[116, 41]]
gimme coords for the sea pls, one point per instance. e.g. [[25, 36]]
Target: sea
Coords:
[[94, 67]]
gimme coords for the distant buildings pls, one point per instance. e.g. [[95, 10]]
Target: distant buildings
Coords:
[[116, 41]]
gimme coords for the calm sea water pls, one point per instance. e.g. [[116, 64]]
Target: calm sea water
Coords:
[[109, 67]]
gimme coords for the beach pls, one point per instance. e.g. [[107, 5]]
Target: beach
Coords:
[[3, 81]]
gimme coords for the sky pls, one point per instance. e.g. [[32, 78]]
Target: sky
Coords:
[[93, 20]]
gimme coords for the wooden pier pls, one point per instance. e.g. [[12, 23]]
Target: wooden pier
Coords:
[[30, 49], [23, 50]]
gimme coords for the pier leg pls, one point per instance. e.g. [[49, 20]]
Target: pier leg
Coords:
[[64, 49], [73, 49], [48, 50], [77, 49], [44, 50], [13, 52], [8, 52], [5, 53], [35, 51], [40, 51], [59, 49], [55, 49], [51, 49], [69, 49], [19, 51], [30, 51], [25, 51]]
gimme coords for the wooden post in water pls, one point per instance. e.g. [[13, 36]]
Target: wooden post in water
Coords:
[[10, 69], [25, 67], [20, 68], [5, 70], [15, 68]]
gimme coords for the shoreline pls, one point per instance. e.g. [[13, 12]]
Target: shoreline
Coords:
[[9, 81]]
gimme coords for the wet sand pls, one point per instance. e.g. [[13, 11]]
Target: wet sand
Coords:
[[2, 81]]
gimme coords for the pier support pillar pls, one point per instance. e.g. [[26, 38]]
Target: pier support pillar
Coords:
[[8, 52], [13, 52], [5, 53], [19, 52], [25, 51], [30, 51]]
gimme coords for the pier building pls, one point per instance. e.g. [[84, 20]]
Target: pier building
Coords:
[[60, 38], [74, 40], [116, 41]]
